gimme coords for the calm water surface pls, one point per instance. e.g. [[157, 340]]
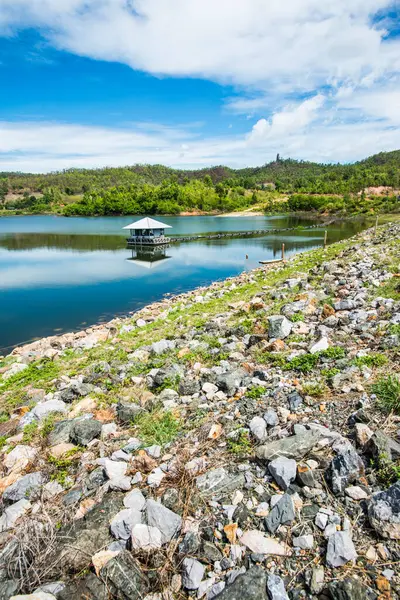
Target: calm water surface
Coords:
[[59, 274]]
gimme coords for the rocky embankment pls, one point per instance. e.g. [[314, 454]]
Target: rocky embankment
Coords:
[[239, 441]]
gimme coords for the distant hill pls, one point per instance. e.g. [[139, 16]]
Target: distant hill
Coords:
[[286, 175]]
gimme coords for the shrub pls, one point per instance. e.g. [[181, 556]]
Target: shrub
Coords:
[[375, 359], [157, 427], [387, 390]]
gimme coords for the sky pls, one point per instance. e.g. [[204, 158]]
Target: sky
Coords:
[[194, 83]]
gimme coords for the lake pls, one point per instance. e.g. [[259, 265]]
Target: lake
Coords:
[[60, 274]]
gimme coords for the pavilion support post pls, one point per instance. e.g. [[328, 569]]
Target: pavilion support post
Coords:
[[325, 238], [283, 251]]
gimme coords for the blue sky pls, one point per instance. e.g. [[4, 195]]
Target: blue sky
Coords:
[[190, 83]]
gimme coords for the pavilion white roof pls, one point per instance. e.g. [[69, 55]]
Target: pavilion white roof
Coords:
[[147, 223]]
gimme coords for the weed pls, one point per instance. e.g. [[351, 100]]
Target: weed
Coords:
[[334, 352], [30, 431], [297, 317], [241, 445], [374, 359], [4, 418], [394, 329], [387, 390], [387, 471], [42, 371], [3, 441], [63, 467], [329, 374], [315, 389], [157, 427], [256, 392], [303, 363]]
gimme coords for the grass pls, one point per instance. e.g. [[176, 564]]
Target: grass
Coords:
[[3, 441], [241, 445], [157, 428], [39, 372], [387, 471], [256, 392], [316, 389], [30, 432], [297, 317], [334, 352], [374, 359], [387, 391]]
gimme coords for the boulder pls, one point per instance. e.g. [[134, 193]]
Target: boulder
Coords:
[[145, 538], [252, 585], [83, 431], [384, 512], [340, 549], [283, 470], [345, 468], [218, 482], [295, 446], [122, 524], [276, 588], [27, 486], [279, 327], [168, 522], [192, 573], [126, 577]]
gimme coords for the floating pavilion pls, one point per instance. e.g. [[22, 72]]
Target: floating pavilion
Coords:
[[147, 232]]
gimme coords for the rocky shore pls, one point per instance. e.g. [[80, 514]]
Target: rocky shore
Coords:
[[237, 441]]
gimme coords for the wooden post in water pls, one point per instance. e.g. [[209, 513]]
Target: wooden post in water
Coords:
[[283, 251], [376, 223], [325, 238]]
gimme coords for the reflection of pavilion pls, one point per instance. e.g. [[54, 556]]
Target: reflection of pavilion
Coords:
[[149, 258]]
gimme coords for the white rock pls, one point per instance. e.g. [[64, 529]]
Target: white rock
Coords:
[[192, 573], [114, 469], [321, 520], [12, 513], [19, 458], [319, 346], [122, 524], [258, 428], [258, 543], [13, 370], [155, 477], [340, 549], [34, 596], [135, 499], [355, 492], [121, 484], [146, 538], [306, 542]]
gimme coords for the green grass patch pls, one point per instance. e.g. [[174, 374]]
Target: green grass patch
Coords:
[[157, 427], [316, 389], [241, 445], [334, 352], [387, 391], [374, 359], [38, 373], [256, 392], [297, 317]]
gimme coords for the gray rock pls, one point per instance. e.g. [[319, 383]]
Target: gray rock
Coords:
[[258, 428], [295, 446], [135, 499], [192, 573], [276, 588], [8, 588], [89, 587], [188, 387], [295, 401], [345, 468], [279, 327], [168, 522], [380, 445], [27, 487], [126, 577], [306, 542], [283, 512], [317, 581], [218, 482], [351, 588], [128, 411], [60, 433], [84, 431], [283, 470], [230, 381], [384, 512], [252, 585], [122, 524], [271, 418], [340, 549]]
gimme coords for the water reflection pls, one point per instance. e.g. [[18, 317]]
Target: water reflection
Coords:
[[149, 258]]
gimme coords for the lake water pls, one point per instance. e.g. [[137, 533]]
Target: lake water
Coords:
[[60, 274]]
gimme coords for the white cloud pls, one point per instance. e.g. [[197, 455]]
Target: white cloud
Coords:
[[249, 42]]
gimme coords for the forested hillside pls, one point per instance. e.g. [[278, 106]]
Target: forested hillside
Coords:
[[159, 189]]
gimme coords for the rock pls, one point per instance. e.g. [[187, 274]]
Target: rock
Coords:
[[114, 469], [258, 543], [319, 346], [128, 411], [88, 587], [283, 470], [271, 418], [168, 522], [258, 428], [84, 431], [60, 433], [363, 433], [276, 588], [122, 524], [218, 482], [209, 552], [295, 401], [321, 520], [13, 370], [351, 588], [295, 446], [19, 458], [279, 327], [126, 576], [317, 579], [12, 513], [306, 542], [283, 512], [252, 585], [380, 445], [340, 549], [356, 493], [146, 538], [346, 467], [192, 573], [100, 559], [27, 486], [135, 499], [384, 512], [8, 588], [188, 387], [43, 409], [230, 381], [34, 596]]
